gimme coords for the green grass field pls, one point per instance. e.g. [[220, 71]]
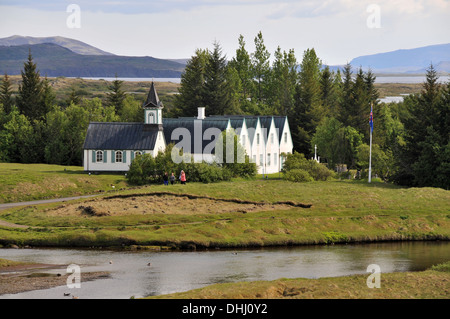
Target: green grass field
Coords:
[[26, 182], [430, 284], [341, 212]]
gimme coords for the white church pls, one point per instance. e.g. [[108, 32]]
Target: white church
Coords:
[[113, 146]]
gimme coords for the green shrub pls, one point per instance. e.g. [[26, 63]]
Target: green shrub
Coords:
[[145, 169], [298, 176], [297, 162]]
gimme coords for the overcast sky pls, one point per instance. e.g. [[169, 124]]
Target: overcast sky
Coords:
[[339, 30]]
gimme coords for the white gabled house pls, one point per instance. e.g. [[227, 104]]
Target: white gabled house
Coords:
[[113, 146]]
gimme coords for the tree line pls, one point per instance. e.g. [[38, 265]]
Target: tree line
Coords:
[[326, 108], [34, 129]]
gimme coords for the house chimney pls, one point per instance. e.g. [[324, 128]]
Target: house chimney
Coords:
[[201, 113]]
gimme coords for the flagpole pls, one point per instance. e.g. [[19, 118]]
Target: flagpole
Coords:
[[370, 152]]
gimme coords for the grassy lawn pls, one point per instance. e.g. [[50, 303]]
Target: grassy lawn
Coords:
[[430, 284], [26, 182], [341, 211]]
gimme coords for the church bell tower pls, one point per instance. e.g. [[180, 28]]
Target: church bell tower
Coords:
[[153, 108]]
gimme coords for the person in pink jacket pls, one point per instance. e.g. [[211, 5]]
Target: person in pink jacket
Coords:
[[183, 177]]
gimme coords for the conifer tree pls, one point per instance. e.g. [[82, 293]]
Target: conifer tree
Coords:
[[242, 64], [308, 107], [116, 96], [6, 94], [191, 90], [261, 70], [30, 91], [217, 89]]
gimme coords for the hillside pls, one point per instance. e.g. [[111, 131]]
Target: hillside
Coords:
[[53, 60], [407, 61], [71, 44]]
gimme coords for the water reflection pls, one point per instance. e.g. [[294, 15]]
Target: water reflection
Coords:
[[180, 271]]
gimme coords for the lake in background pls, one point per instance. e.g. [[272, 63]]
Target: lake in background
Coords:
[[380, 79], [181, 270]]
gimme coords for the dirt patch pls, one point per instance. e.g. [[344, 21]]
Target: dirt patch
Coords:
[[164, 203], [13, 283]]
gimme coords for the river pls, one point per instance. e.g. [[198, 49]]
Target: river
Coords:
[[181, 270]]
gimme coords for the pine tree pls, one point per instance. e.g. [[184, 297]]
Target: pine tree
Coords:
[[425, 157], [47, 97], [283, 82], [73, 98], [30, 91], [329, 92], [6, 94], [261, 70], [191, 90], [116, 96], [346, 97], [242, 64], [217, 89], [308, 109]]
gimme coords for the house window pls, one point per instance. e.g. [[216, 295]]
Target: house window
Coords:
[[271, 138], [243, 140], [285, 137], [254, 159], [119, 157], [261, 160], [99, 156], [257, 139], [268, 159], [275, 159]]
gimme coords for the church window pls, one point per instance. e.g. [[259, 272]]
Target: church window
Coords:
[[99, 156], [119, 157]]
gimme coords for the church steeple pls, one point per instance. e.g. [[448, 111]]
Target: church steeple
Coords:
[[153, 107], [153, 99]]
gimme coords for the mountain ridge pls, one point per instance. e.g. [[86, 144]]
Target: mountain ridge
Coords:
[[54, 60], [71, 44], [415, 60]]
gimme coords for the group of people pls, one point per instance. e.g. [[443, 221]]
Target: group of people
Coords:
[[182, 178]]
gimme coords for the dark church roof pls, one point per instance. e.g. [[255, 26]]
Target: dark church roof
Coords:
[[152, 98], [170, 124], [121, 136]]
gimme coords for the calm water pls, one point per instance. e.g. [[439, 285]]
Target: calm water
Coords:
[[180, 271], [379, 79]]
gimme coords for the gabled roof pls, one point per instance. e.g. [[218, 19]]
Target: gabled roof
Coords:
[[170, 124], [120, 136], [280, 121], [266, 122], [152, 98]]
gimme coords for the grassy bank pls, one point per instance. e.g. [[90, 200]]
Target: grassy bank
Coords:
[[26, 182], [340, 212], [430, 284]]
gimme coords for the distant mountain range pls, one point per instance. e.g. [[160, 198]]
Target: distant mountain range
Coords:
[[59, 56], [407, 61], [67, 57], [71, 44]]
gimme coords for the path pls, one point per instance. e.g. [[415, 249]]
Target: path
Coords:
[[35, 202]]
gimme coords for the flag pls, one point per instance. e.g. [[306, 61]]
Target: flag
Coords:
[[371, 120]]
